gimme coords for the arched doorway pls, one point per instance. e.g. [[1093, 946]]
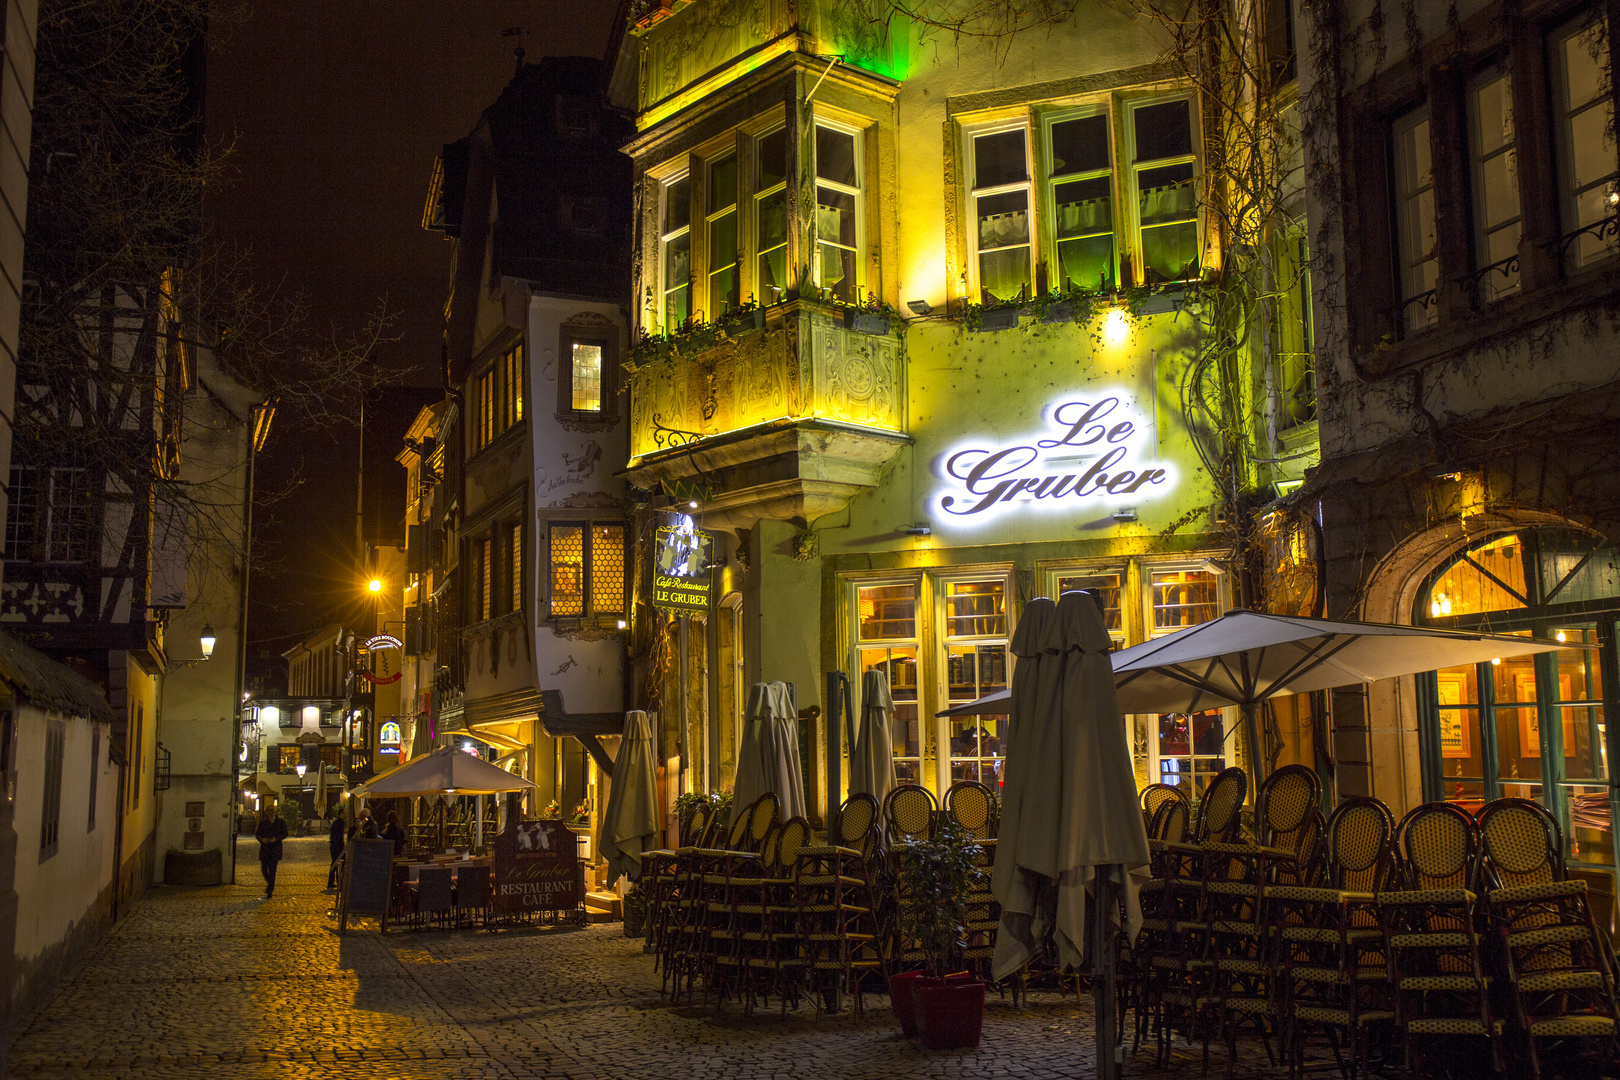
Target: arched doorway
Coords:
[[1530, 727]]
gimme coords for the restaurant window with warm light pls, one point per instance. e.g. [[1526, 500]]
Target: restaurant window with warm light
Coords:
[[887, 640], [1530, 727], [976, 666]]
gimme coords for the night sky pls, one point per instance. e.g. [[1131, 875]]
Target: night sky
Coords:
[[337, 108]]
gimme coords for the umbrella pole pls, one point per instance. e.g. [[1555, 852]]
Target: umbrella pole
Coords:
[[1105, 901], [1251, 737]]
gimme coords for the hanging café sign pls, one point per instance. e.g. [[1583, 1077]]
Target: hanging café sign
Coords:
[[682, 557], [1093, 450]]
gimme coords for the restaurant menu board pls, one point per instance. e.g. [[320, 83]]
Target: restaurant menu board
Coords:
[[537, 868], [367, 880]]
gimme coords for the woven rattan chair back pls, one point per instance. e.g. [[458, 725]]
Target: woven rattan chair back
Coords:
[[1360, 835], [1170, 820], [1220, 811], [769, 846], [856, 821], [792, 836], [1307, 849], [909, 811], [742, 818], [1284, 803], [767, 812], [1521, 843], [1438, 843], [1155, 796], [970, 804], [696, 824]]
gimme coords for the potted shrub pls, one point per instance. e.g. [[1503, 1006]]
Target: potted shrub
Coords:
[[937, 876]]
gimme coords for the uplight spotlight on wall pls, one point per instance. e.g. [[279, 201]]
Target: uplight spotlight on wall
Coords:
[[920, 307], [1116, 327]]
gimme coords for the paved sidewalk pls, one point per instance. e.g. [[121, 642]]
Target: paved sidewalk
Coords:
[[216, 983]]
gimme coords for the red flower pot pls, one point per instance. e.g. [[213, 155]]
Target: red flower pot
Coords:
[[900, 996], [950, 1014]]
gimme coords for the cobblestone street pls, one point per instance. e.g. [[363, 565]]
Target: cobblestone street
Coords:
[[214, 982]]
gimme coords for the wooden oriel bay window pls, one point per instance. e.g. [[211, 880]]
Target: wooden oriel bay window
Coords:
[[726, 216]]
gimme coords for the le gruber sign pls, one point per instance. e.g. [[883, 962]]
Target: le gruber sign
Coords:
[[1092, 450], [682, 555], [537, 868]]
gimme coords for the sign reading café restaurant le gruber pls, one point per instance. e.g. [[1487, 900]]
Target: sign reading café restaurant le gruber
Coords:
[[682, 555], [1095, 448]]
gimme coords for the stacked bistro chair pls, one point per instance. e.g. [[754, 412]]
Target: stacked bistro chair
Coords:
[[972, 806], [1436, 966], [835, 921], [1331, 972], [658, 871], [1167, 829], [1155, 796], [1239, 940], [701, 875], [1557, 966], [1173, 971], [755, 950], [908, 816]]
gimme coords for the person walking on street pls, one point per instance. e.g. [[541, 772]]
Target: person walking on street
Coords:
[[334, 844], [270, 832]]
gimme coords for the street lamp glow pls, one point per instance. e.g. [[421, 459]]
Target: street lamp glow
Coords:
[[208, 640], [374, 585], [300, 769], [1116, 327]]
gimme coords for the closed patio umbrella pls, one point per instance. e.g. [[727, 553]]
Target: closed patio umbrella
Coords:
[[871, 758], [1071, 807], [630, 820], [768, 756], [445, 771]]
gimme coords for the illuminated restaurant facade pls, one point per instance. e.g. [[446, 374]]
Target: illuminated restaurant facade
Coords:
[[912, 338]]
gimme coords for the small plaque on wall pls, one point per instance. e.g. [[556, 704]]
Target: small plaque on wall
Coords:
[[194, 809]]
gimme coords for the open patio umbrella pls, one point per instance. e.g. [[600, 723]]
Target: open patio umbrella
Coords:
[[871, 757], [768, 756], [445, 771], [1245, 657], [630, 820], [1070, 813]]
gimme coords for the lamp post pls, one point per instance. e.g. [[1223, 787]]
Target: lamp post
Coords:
[[300, 769]]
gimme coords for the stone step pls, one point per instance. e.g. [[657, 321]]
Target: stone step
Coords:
[[606, 901]]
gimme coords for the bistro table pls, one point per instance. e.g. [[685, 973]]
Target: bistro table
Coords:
[[414, 867]]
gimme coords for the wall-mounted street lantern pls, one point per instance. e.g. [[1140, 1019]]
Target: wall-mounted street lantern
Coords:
[[206, 640]]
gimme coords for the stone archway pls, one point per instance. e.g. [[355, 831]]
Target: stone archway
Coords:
[[1375, 731]]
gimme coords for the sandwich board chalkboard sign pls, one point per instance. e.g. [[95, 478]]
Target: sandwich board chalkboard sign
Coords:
[[367, 880]]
